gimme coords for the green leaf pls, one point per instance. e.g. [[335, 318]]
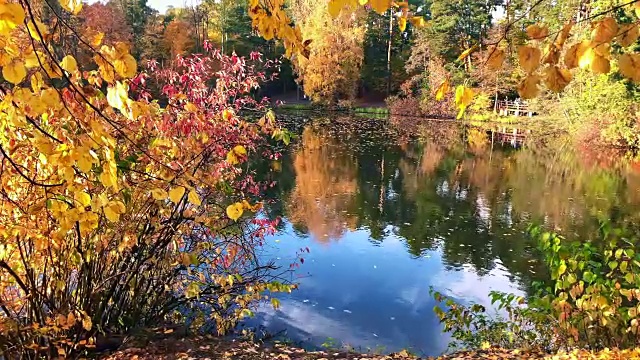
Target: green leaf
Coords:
[[562, 268], [623, 266], [618, 253], [588, 276], [613, 265], [629, 278]]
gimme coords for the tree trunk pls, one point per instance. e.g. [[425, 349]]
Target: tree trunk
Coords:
[[389, 52]]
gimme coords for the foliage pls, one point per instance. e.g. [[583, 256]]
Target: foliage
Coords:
[[112, 209], [472, 328], [539, 48], [178, 38], [332, 70], [137, 14], [107, 19], [602, 103], [595, 295], [457, 25], [592, 300]]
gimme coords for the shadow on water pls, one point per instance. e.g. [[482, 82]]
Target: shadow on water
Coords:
[[388, 209]]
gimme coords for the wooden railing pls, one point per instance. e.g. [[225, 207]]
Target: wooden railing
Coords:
[[516, 108]]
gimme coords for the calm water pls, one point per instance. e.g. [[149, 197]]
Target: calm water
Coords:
[[388, 211]]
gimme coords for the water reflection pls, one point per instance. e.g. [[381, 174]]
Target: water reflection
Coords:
[[325, 186], [388, 211]]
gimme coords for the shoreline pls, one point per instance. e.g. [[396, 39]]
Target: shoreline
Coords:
[[211, 347]]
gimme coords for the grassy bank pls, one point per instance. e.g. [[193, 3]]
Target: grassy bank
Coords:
[[311, 107]]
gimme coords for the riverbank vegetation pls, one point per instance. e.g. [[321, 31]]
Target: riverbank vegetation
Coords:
[[128, 140]]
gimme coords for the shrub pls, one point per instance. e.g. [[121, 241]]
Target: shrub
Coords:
[[592, 300], [119, 214]]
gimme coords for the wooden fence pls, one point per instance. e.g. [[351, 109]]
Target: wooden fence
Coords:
[[516, 108]]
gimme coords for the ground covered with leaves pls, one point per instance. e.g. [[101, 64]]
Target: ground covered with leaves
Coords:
[[215, 348]]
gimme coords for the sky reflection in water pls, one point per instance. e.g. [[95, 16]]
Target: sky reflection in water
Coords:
[[386, 217]]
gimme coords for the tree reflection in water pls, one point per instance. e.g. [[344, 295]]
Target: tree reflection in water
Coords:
[[440, 187]]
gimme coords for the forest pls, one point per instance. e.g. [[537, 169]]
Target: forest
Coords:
[[198, 180]]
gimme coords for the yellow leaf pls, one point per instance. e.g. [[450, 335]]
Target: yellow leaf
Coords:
[[604, 30], [240, 150], [86, 323], [485, 345], [14, 72], [71, 319], [586, 58], [126, 66], [72, 6], [232, 156], [117, 96], [191, 107], [628, 35], [564, 35], [556, 79], [194, 198], [159, 194], [37, 30], [185, 259], [85, 163], [96, 39], [363, 2], [529, 58], [573, 55], [637, 6], [495, 59], [83, 198], [234, 211], [537, 31], [467, 52], [36, 82], [111, 214], [176, 194], [600, 65], [528, 87], [97, 202], [629, 65], [442, 90], [335, 7], [402, 23], [11, 15], [464, 97], [551, 54], [417, 21], [380, 6], [118, 207], [69, 63]]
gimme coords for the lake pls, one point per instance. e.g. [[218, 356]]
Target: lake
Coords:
[[380, 211]]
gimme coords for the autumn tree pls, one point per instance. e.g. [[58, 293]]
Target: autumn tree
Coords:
[[137, 13], [116, 213], [108, 19], [178, 37], [589, 50], [331, 72]]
